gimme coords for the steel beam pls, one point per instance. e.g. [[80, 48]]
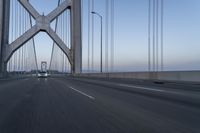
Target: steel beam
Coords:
[[4, 33], [59, 10], [60, 44], [43, 24], [29, 8], [10, 49], [1, 26], [1, 34], [76, 35]]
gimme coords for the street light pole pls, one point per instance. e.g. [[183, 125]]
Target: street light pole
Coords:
[[101, 18]]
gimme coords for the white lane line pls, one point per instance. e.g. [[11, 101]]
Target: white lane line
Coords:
[[91, 97], [140, 87]]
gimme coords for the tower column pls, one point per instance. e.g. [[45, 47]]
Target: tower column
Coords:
[[76, 34], [4, 33], [1, 26]]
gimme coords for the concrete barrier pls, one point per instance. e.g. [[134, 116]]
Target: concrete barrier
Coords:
[[189, 76]]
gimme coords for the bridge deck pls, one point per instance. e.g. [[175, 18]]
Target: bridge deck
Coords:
[[61, 105]]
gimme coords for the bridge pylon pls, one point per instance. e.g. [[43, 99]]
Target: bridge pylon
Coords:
[[76, 36], [42, 24], [4, 34]]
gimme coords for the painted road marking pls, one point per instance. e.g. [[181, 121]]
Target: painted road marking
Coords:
[[140, 87], [91, 97]]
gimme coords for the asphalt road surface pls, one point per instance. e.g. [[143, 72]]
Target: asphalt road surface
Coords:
[[83, 105]]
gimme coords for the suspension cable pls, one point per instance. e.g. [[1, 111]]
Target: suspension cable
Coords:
[[18, 32], [15, 33], [92, 36], [162, 55], [153, 35], [53, 48], [157, 31], [106, 33], [33, 40], [149, 36], [112, 34], [89, 18]]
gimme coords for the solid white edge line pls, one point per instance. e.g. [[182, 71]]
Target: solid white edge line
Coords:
[[140, 87], [91, 97]]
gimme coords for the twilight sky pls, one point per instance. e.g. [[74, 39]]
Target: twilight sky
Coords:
[[181, 34]]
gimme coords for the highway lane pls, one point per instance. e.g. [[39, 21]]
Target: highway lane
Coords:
[[73, 105], [182, 93]]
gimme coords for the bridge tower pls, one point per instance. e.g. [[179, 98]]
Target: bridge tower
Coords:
[[4, 33], [42, 24]]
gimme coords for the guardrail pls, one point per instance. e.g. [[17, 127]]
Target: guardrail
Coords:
[[190, 76]]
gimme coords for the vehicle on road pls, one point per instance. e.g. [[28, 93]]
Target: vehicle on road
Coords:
[[42, 74]]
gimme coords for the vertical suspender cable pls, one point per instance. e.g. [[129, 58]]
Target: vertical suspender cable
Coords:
[[67, 34], [60, 55], [92, 36], [33, 40], [52, 52], [24, 11], [64, 37], [82, 23], [69, 38], [18, 33], [89, 9], [60, 52], [22, 23], [22, 33], [112, 34], [26, 44], [20, 30], [18, 55], [162, 55], [15, 33], [153, 35], [149, 36], [66, 30], [63, 32], [65, 27], [12, 16], [12, 33], [106, 34], [157, 30], [10, 37], [61, 35], [11, 24]]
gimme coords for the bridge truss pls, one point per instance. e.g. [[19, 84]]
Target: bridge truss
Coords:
[[16, 34]]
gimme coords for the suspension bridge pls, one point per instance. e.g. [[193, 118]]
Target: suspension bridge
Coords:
[[90, 98]]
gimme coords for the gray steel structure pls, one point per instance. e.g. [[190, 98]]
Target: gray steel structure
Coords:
[[43, 24], [43, 66]]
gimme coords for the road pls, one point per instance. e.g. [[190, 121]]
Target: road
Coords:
[[84, 105]]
